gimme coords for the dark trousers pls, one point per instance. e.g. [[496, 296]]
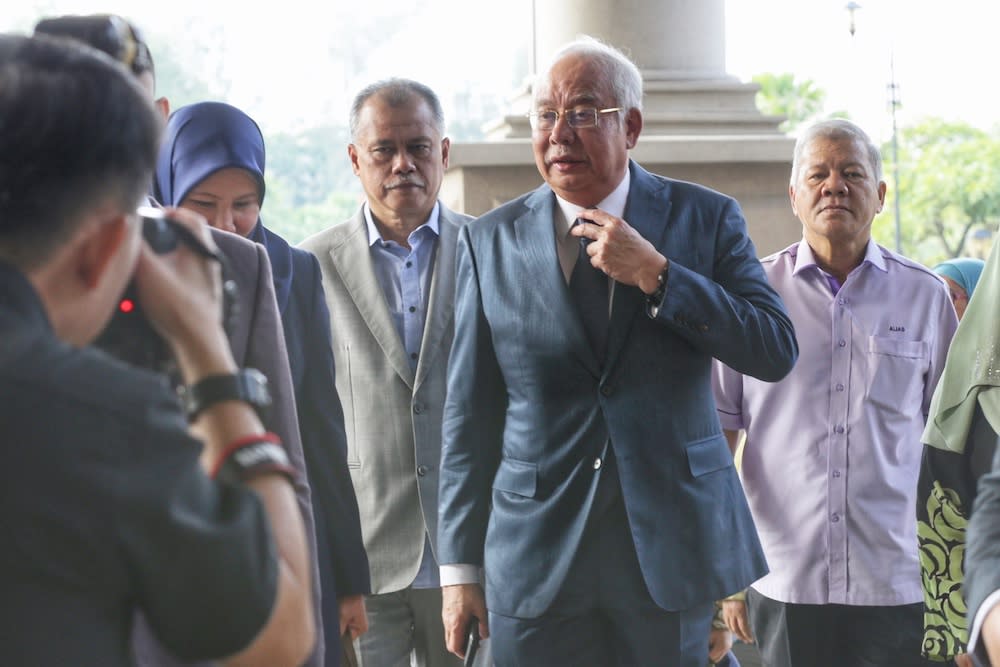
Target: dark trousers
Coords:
[[604, 615], [834, 635]]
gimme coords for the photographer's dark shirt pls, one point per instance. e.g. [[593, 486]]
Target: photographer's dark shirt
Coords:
[[104, 509]]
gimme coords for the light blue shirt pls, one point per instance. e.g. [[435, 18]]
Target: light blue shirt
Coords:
[[404, 274], [405, 277]]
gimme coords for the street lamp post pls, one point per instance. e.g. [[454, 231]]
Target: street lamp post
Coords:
[[894, 103], [851, 8]]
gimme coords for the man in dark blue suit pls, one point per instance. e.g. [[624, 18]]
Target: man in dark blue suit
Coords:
[[583, 464]]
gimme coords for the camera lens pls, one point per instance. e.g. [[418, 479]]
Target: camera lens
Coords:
[[159, 234], [158, 230]]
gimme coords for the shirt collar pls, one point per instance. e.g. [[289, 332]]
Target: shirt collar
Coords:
[[804, 257], [614, 204], [375, 236]]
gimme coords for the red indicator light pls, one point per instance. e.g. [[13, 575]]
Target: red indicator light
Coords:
[[126, 306]]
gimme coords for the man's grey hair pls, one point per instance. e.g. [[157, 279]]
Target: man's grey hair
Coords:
[[836, 129], [617, 70], [396, 92]]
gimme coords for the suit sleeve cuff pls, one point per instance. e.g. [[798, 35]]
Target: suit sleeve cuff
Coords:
[[977, 623], [460, 573]]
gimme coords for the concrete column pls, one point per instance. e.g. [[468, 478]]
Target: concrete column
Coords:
[[678, 45], [699, 123], [667, 39]]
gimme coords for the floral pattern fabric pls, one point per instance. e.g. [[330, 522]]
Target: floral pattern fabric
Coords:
[[941, 537]]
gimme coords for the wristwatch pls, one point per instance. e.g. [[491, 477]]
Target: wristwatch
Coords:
[[655, 300], [248, 385]]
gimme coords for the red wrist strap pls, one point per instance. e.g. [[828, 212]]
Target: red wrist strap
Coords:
[[240, 443]]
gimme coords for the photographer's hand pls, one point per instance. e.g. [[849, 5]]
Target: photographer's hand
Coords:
[[181, 294]]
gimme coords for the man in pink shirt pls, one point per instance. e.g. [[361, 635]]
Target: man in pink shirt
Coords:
[[832, 451]]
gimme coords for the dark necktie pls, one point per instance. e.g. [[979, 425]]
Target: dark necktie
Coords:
[[589, 287]]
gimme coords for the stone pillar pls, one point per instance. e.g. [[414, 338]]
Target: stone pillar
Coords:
[[699, 123], [682, 39]]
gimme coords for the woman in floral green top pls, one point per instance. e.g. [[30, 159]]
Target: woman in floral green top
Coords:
[[960, 446]]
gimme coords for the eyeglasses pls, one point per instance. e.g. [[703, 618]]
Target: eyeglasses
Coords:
[[578, 117]]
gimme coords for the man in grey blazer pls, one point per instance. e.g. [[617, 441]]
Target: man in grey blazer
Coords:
[[388, 275], [583, 465]]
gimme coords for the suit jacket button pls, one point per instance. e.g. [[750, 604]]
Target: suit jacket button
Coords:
[[605, 391], [422, 470], [597, 463], [418, 408]]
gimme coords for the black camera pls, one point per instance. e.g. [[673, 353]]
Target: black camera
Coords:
[[129, 336]]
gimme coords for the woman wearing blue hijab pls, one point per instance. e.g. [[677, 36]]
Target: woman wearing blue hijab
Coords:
[[212, 162], [961, 275]]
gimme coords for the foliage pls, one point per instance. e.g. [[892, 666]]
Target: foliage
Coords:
[[949, 190], [310, 185], [800, 102], [312, 162], [189, 70], [949, 175], [296, 222]]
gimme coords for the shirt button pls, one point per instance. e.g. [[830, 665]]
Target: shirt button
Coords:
[[422, 470], [835, 518], [841, 343], [839, 428], [836, 473], [409, 264], [840, 387], [598, 463]]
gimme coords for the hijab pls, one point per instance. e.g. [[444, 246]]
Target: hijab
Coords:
[[963, 270], [972, 370], [200, 139]]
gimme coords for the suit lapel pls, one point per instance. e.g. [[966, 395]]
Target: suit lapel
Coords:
[[353, 262], [440, 305], [646, 211], [535, 235]]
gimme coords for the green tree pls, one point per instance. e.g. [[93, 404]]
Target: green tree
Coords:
[[800, 102], [312, 162], [949, 187], [190, 64], [295, 223]]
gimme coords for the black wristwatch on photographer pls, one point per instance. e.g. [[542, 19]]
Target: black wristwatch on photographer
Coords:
[[248, 385]]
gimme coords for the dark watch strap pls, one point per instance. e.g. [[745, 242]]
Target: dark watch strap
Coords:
[[655, 300], [248, 385]]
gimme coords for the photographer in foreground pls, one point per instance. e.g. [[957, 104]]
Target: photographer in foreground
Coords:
[[108, 502]]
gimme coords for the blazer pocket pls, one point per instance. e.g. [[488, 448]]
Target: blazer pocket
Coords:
[[518, 477], [708, 455]]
